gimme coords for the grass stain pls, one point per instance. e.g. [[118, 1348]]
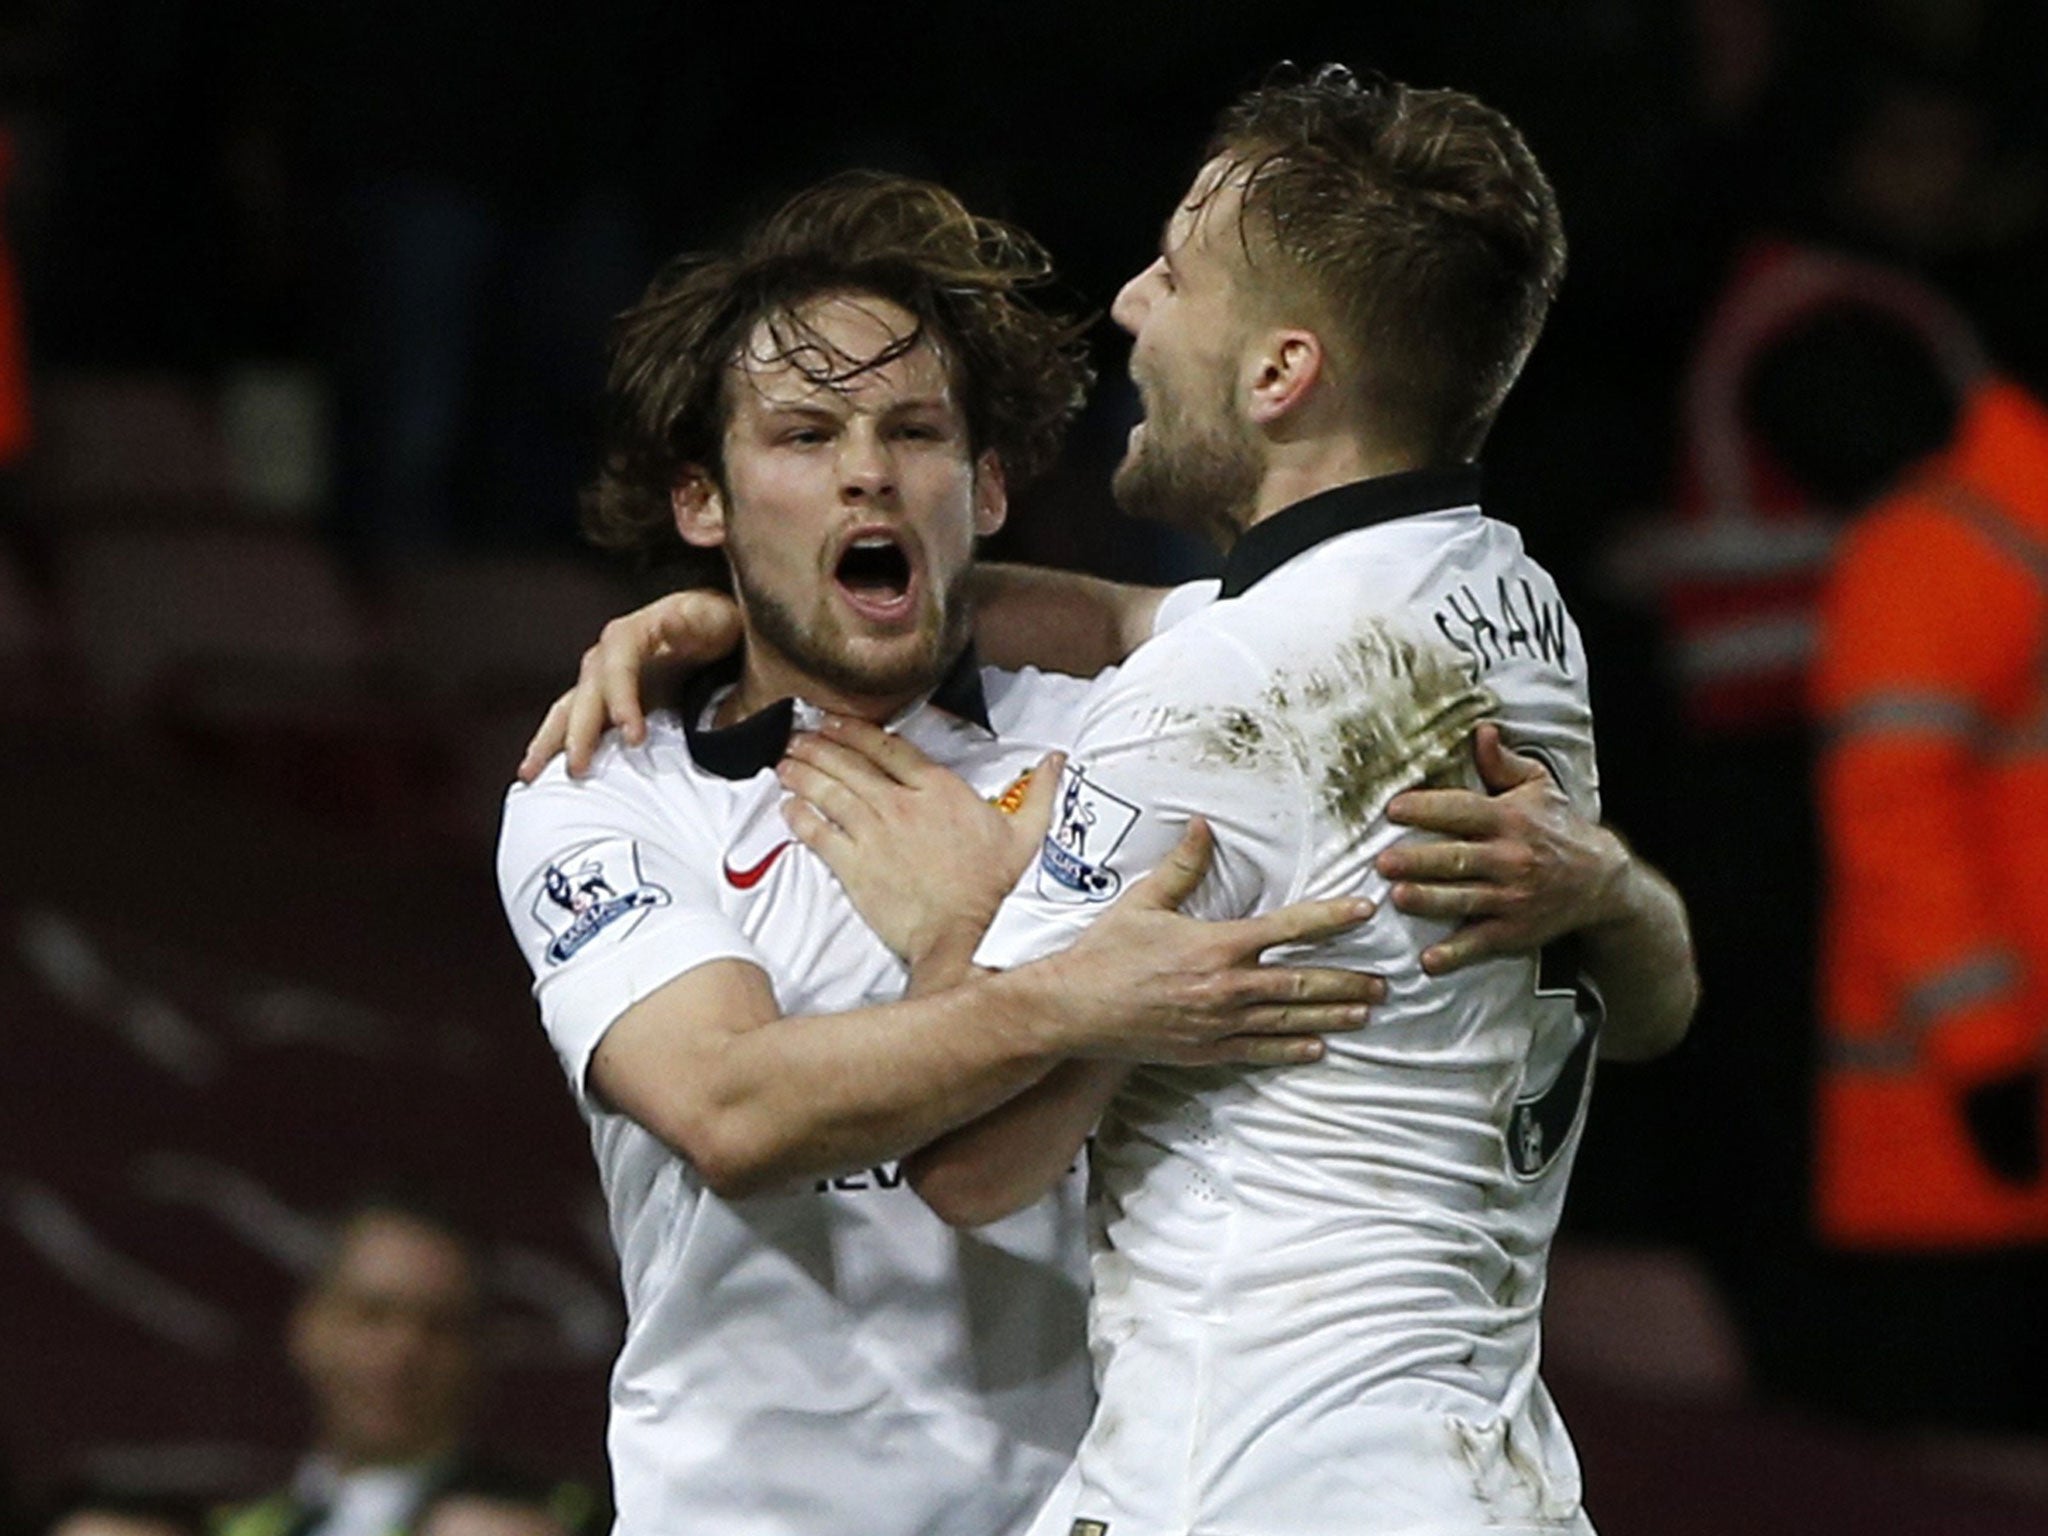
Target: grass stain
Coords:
[[1383, 712]]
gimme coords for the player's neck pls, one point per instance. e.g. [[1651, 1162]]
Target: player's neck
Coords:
[[1298, 470], [766, 678]]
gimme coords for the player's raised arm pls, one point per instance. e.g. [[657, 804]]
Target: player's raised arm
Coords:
[[1518, 868]]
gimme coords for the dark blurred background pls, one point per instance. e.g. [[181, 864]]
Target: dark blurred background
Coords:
[[299, 348]]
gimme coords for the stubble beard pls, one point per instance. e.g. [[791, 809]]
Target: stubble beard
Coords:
[[1202, 477], [823, 651]]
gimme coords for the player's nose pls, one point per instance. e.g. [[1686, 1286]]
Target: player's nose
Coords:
[[867, 469], [1133, 300]]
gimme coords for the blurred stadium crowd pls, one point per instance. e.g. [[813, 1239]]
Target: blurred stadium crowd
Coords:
[[300, 335]]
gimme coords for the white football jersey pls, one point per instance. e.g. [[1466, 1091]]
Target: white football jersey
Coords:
[[1317, 1288], [831, 1358]]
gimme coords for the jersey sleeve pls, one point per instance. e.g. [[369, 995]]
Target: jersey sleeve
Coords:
[[608, 898], [1159, 742]]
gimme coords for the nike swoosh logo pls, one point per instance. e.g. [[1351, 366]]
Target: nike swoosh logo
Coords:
[[747, 879]]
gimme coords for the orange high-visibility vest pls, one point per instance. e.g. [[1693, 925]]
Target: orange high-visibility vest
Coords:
[[1739, 564], [1932, 689]]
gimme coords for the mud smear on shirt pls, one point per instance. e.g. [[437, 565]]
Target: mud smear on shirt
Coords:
[[1238, 737], [1506, 1477], [1383, 713]]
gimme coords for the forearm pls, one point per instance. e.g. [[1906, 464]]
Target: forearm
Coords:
[[1008, 1158], [1143, 983], [755, 1100], [959, 1069], [1059, 621], [1641, 959], [1002, 1161]]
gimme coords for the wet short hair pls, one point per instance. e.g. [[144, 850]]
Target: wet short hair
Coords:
[[1416, 225], [1018, 367]]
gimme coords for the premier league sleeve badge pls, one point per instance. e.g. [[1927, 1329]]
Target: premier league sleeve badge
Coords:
[[588, 889], [1090, 826]]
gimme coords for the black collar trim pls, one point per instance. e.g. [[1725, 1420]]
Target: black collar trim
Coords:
[[1267, 545], [752, 745]]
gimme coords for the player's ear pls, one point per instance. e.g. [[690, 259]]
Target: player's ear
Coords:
[[699, 507], [991, 494], [1280, 369]]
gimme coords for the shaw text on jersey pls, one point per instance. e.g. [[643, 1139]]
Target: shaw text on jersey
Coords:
[[1515, 623]]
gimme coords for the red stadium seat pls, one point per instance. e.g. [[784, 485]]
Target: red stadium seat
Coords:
[[499, 628], [123, 446], [142, 607]]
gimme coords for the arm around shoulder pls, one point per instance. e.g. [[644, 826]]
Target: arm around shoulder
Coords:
[[1641, 958], [754, 1098], [1519, 868], [1059, 621]]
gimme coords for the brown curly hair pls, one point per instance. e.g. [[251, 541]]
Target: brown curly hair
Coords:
[[1020, 370], [1417, 223]]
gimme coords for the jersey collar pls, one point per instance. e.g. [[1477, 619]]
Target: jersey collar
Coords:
[[1270, 543], [749, 746]]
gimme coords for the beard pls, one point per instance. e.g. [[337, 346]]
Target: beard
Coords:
[[1198, 475], [821, 649]]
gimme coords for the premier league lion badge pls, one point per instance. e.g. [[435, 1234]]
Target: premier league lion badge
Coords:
[[588, 889], [1091, 826]]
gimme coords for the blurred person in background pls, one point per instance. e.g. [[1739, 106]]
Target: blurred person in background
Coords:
[[388, 1341], [1932, 1307], [115, 1520], [457, 1513], [90, 1512], [1826, 364]]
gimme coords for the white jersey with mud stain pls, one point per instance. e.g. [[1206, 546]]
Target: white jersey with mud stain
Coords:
[[829, 1358], [1317, 1288]]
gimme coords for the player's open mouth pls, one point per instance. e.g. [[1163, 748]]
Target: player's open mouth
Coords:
[[876, 577]]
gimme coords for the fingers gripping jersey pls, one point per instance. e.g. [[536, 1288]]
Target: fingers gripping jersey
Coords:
[[1317, 1288]]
